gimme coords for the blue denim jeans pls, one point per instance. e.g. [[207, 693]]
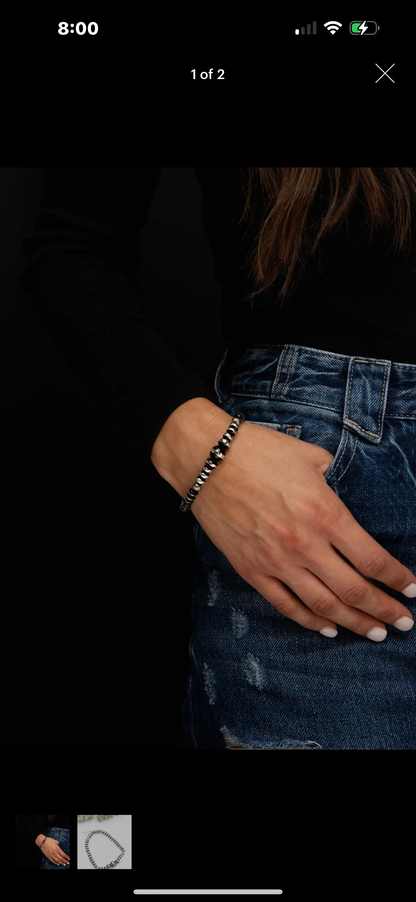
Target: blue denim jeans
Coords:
[[63, 838], [256, 679]]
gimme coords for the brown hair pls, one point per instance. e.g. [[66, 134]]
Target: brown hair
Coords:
[[51, 817], [290, 230]]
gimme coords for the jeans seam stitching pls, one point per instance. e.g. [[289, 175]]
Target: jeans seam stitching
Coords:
[[349, 462]]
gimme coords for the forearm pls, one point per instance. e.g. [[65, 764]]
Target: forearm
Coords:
[[40, 839], [185, 441]]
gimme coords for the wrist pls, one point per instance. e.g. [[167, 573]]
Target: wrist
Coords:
[[39, 839], [185, 441]]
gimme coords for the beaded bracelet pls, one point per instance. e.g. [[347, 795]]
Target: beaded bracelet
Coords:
[[111, 864], [217, 453]]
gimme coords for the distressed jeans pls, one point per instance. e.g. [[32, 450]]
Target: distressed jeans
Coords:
[[256, 679], [62, 836]]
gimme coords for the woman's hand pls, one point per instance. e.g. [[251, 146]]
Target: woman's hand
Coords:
[[53, 851], [268, 509]]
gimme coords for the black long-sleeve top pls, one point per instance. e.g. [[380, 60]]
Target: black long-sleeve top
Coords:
[[82, 258]]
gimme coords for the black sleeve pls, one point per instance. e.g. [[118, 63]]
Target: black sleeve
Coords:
[[39, 824], [80, 275]]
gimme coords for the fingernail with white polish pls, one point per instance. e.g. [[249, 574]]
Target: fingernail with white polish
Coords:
[[404, 623], [410, 591], [377, 634], [329, 631]]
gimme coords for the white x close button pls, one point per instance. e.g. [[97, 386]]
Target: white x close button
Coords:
[[385, 73]]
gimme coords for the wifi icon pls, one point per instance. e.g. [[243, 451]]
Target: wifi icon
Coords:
[[333, 26]]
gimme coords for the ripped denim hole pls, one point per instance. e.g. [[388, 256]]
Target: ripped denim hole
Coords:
[[232, 742]]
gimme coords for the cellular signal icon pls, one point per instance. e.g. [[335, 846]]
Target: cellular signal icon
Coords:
[[333, 27], [308, 29]]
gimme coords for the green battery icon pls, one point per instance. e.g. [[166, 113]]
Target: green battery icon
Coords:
[[364, 27]]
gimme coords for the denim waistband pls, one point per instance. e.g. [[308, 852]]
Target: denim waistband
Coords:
[[365, 390]]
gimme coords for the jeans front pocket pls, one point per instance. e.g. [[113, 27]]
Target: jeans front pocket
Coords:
[[319, 427], [337, 440]]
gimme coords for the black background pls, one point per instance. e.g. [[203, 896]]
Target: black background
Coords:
[[99, 556]]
